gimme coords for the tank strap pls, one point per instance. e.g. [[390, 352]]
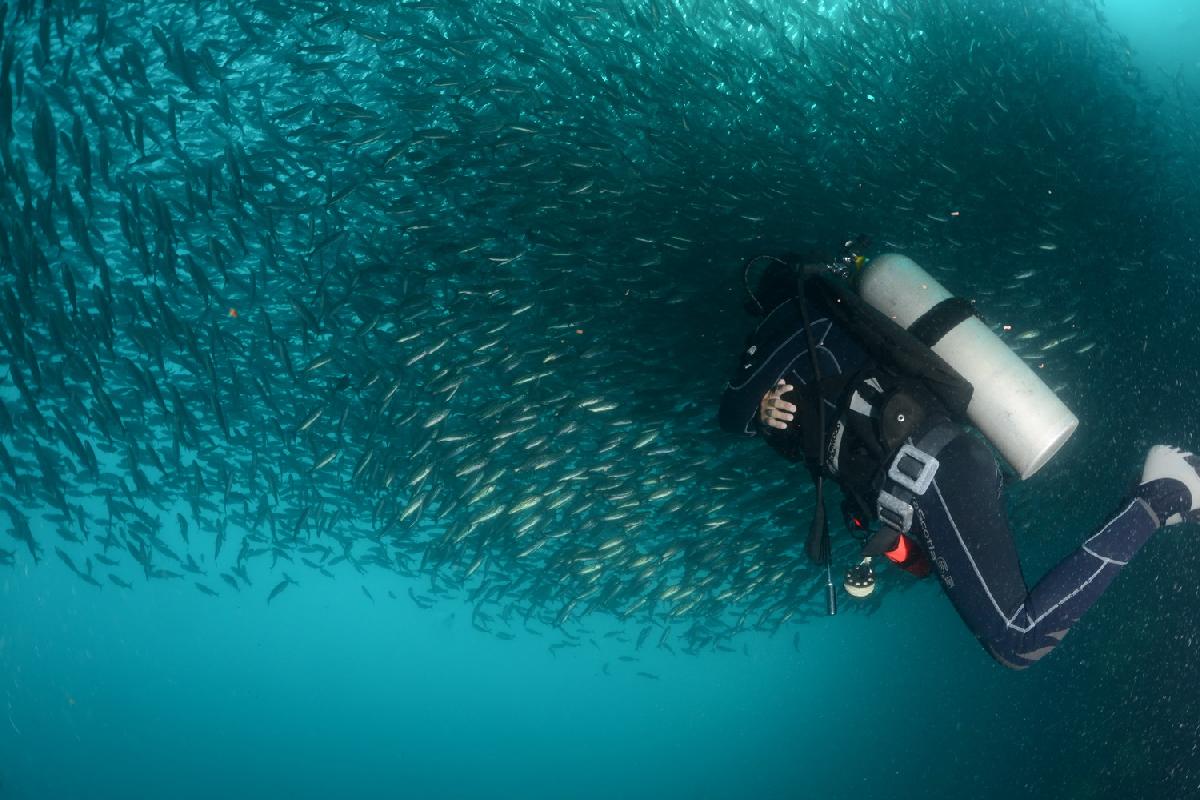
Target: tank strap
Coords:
[[939, 320], [890, 344]]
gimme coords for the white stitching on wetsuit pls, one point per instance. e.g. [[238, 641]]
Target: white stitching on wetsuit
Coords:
[[1033, 622], [1104, 563], [1105, 559], [1048, 611], [782, 345], [836, 364], [820, 345], [970, 557], [749, 426]]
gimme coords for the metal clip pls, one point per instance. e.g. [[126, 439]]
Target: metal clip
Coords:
[[915, 480], [894, 512]]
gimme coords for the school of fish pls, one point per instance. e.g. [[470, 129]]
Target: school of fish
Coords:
[[450, 288]]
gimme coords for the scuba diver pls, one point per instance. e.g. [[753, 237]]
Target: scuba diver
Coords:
[[882, 388]]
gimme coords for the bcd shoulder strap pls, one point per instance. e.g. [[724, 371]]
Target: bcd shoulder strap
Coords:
[[890, 344]]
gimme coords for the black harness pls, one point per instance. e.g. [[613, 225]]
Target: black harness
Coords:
[[892, 417]]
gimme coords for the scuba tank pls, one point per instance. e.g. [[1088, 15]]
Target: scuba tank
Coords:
[[1009, 404]]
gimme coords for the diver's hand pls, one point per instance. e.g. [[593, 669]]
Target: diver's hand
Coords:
[[774, 410]]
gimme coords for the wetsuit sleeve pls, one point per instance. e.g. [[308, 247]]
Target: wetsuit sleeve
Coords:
[[772, 349], [739, 406]]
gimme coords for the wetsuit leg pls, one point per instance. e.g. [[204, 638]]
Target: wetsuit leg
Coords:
[[962, 524]]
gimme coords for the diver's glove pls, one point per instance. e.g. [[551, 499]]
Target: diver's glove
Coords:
[[1171, 484]]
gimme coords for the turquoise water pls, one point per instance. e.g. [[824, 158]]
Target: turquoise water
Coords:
[[417, 314], [170, 693]]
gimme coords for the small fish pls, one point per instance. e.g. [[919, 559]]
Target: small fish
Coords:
[[279, 587], [435, 418], [467, 469], [318, 362], [326, 459], [525, 504], [311, 418]]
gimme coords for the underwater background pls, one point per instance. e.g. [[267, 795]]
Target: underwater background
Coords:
[[359, 383]]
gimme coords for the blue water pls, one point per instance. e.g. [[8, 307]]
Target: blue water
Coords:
[[163, 692], [166, 693]]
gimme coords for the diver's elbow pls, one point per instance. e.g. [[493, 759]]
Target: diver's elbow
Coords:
[[732, 416]]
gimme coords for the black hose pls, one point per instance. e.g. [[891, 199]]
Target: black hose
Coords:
[[818, 534]]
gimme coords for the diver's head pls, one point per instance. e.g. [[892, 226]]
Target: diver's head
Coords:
[[779, 280], [776, 285]]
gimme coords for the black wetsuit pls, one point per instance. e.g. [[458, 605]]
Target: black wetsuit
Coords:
[[960, 521]]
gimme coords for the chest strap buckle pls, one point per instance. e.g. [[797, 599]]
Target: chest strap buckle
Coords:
[[910, 475], [894, 512], [913, 469]]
